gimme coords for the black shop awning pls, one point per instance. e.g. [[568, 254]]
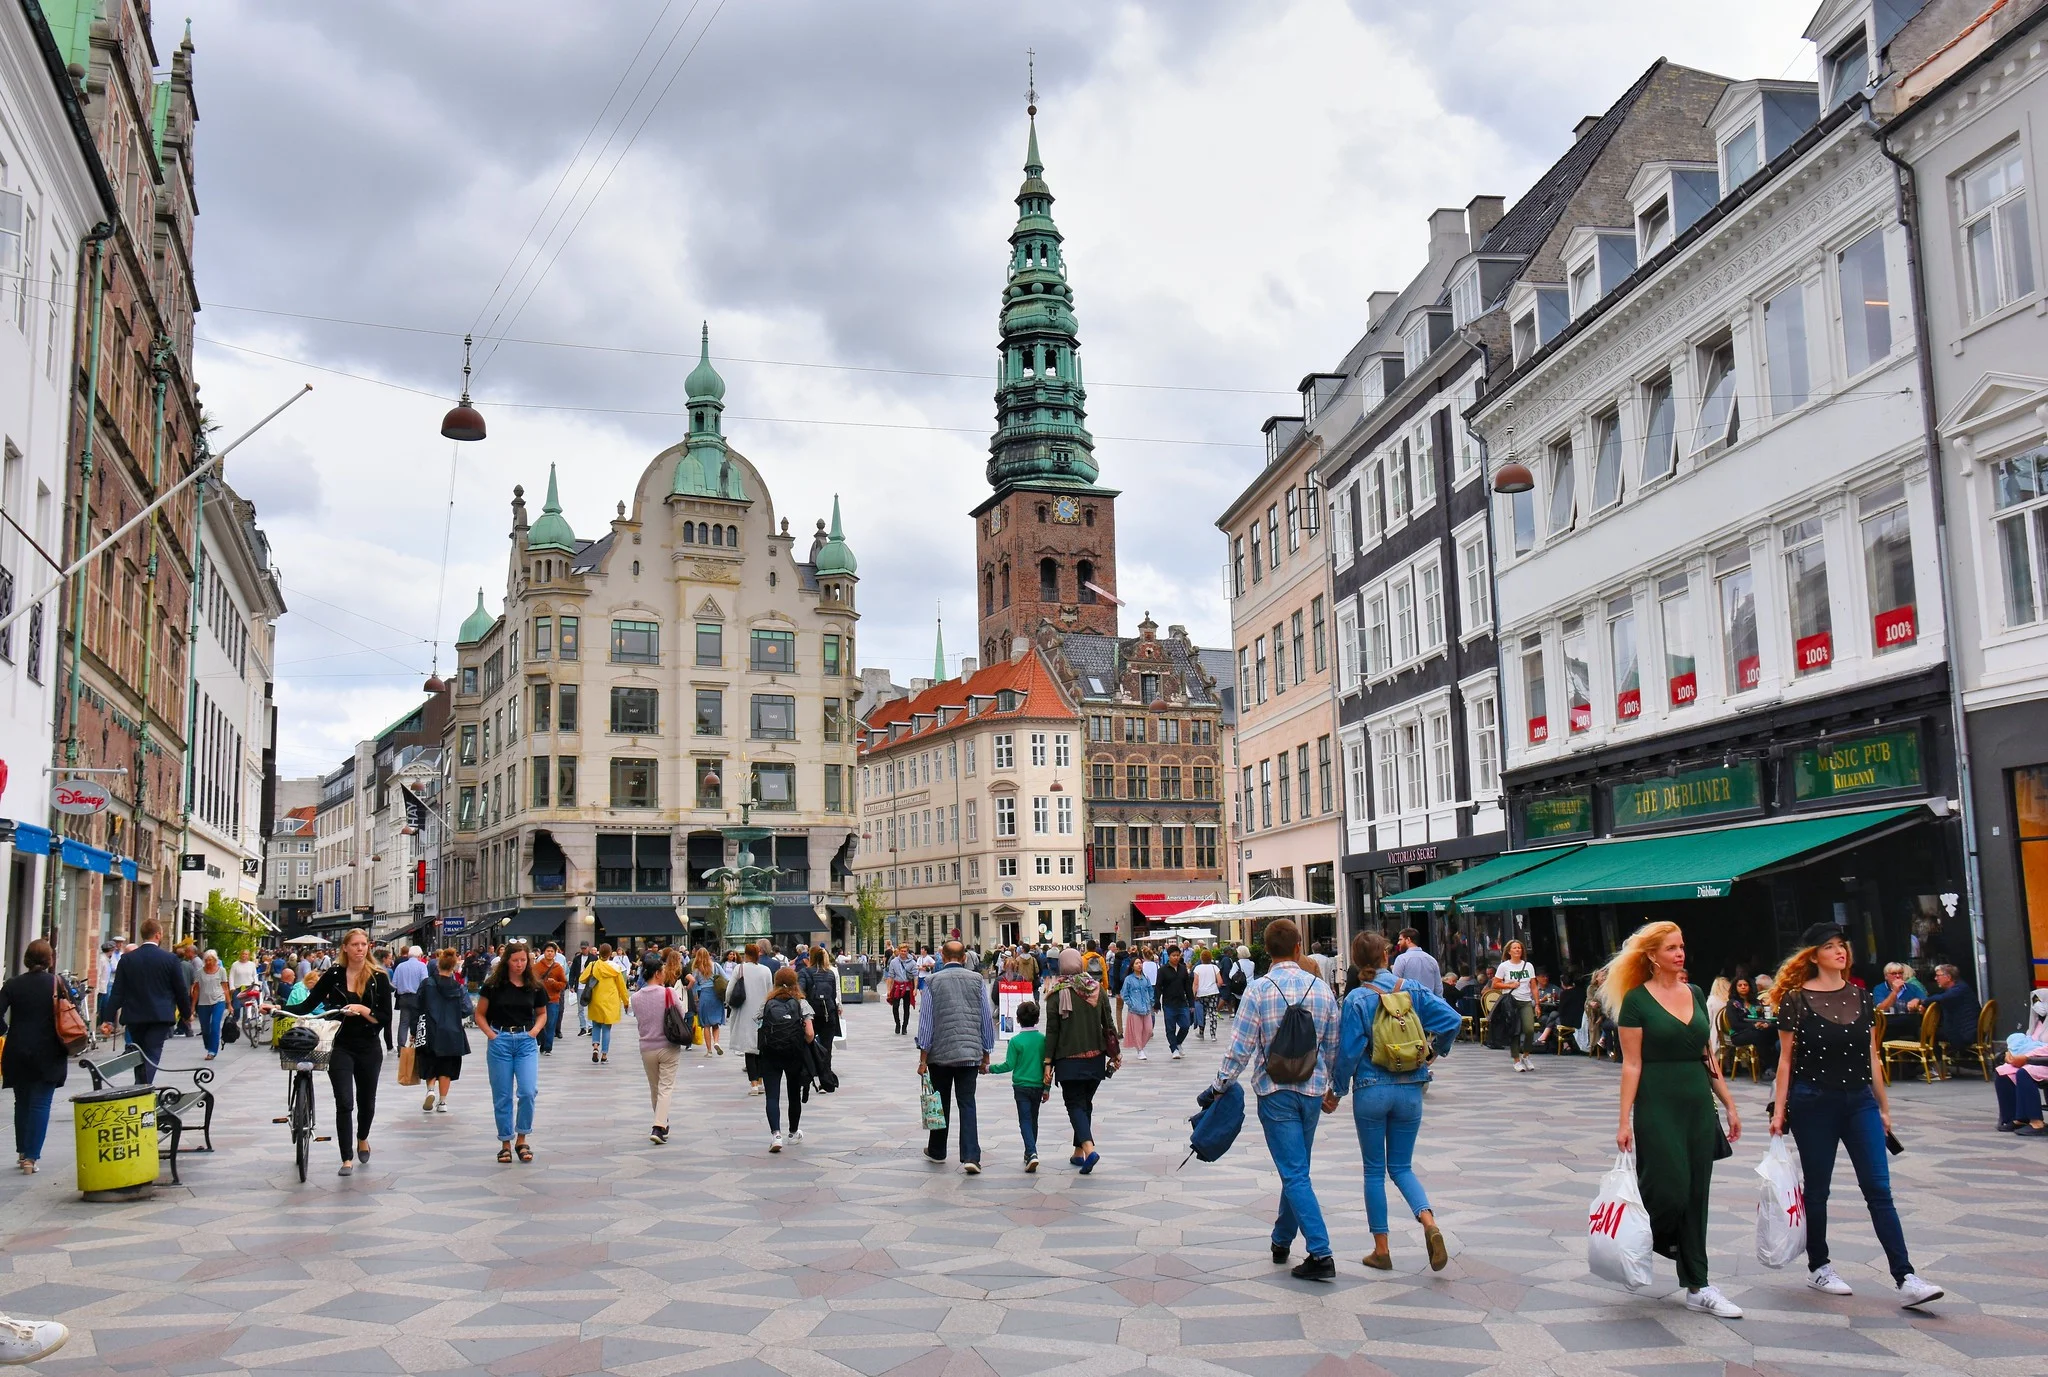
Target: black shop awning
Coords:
[[541, 921], [639, 922], [794, 920]]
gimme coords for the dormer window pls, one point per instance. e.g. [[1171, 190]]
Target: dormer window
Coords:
[[1525, 336], [1585, 287], [1272, 445], [1847, 70], [1415, 345], [1739, 158], [1308, 405], [1466, 305], [1653, 228]]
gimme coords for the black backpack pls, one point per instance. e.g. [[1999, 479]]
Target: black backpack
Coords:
[[1291, 1055], [782, 1028], [1236, 983]]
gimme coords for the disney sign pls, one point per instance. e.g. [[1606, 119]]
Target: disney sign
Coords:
[[79, 796]]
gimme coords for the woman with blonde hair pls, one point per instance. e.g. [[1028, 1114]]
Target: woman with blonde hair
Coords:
[[361, 994], [1831, 1091], [707, 988], [1669, 1084]]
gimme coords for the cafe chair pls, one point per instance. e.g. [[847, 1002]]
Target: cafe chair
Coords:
[[1926, 1049], [1732, 1055], [1989, 1048]]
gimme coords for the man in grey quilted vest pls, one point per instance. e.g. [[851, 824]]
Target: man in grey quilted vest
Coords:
[[956, 1030]]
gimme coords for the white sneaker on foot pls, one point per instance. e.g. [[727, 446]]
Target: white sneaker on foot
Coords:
[[428, 1107], [1710, 1301], [1913, 1291], [1824, 1279], [1176, 1054], [775, 1143], [796, 1136], [25, 1341]]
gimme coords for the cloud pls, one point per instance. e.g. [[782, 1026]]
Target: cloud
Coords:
[[828, 184]]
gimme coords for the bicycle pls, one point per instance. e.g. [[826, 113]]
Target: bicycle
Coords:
[[254, 1016], [299, 1101]]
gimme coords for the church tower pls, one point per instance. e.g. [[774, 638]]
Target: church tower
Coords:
[[1045, 537]]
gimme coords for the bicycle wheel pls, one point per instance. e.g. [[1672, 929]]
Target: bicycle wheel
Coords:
[[302, 1120]]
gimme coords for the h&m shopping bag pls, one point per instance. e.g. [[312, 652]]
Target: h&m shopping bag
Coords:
[[1618, 1229], [1780, 1205]]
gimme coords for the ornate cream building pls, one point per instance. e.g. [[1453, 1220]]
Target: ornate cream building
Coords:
[[636, 691]]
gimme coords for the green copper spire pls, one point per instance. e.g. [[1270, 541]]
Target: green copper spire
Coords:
[[705, 469], [1041, 417], [834, 556], [551, 532], [477, 624], [939, 652]]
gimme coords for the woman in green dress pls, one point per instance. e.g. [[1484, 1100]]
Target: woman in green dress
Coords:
[[1669, 1084]]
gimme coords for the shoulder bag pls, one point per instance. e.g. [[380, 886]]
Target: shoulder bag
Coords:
[[71, 1030], [675, 1023]]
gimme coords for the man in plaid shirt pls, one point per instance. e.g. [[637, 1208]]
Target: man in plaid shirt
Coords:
[[1287, 1113]]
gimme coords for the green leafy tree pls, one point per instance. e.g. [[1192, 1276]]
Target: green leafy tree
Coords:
[[869, 917], [227, 927]]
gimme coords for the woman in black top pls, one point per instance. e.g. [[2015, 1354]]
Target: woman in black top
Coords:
[[511, 1009], [1831, 1091], [355, 988], [33, 1064], [444, 1004]]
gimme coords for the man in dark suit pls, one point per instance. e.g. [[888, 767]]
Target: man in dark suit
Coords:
[[149, 998]]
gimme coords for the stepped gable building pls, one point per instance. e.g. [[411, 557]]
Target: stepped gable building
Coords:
[[636, 691]]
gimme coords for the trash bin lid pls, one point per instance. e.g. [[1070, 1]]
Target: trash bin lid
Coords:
[[115, 1092]]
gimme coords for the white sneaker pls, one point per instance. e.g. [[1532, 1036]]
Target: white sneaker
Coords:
[[796, 1136], [1176, 1055], [1143, 1057], [25, 1341], [775, 1143], [1913, 1291], [1824, 1279], [429, 1105], [1712, 1302]]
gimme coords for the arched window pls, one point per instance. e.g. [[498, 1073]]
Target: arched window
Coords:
[[1088, 516], [1084, 574], [988, 591], [689, 533], [732, 536], [1006, 585], [718, 535], [1048, 580], [1041, 513]]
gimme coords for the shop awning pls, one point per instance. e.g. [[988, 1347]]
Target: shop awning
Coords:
[[82, 857], [1688, 865], [794, 920], [31, 840], [543, 921], [638, 922], [1162, 910], [1440, 896]]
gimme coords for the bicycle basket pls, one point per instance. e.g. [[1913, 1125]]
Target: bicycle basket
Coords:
[[308, 1040]]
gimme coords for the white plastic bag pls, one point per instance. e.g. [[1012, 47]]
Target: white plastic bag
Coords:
[[1618, 1229], [1781, 1205]]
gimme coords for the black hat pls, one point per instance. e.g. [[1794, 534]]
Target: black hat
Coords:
[[1820, 934]]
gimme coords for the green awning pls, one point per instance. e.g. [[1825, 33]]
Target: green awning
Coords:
[[1440, 896], [1688, 865]]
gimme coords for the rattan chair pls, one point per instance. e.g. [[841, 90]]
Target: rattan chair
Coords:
[[1989, 1048], [1926, 1050], [1732, 1054]]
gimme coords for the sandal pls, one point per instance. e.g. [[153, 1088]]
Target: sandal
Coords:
[[525, 1152], [505, 1153]]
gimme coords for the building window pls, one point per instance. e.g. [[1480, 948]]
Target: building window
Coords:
[[710, 712], [1888, 568], [1485, 719], [1141, 848], [1674, 611], [1866, 303], [1534, 703], [774, 651], [542, 777], [2020, 496], [1172, 853], [1720, 413], [469, 679], [1606, 460], [1006, 817], [1136, 782], [1205, 848], [1062, 750], [1105, 848], [1659, 447], [775, 787], [465, 814], [1403, 589], [1301, 778], [1442, 779], [1286, 793], [1354, 763], [1785, 349], [1258, 563], [1279, 659], [1237, 567], [565, 781], [566, 647], [565, 704], [543, 707], [1293, 520], [1997, 247], [1415, 794], [1477, 583], [973, 821], [1038, 748], [1169, 782], [1041, 865], [1325, 782], [774, 717], [636, 643], [543, 637], [1432, 607], [1466, 306], [1101, 779], [1743, 662], [835, 789], [1739, 159], [635, 711], [1006, 751], [1578, 679], [1041, 815], [466, 750], [1273, 535], [1848, 69], [1265, 793], [1621, 650], [1378, 637], [710, 645], [633, 784], [1064, 811], [1259, 670], [1522, 520], [1315, 620], [1653, 229], [1347, 648], [1806, 579]]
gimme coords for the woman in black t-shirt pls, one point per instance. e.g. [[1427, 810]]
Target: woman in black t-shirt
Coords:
[[510, 1009], [355, 988], [1830, 1092]]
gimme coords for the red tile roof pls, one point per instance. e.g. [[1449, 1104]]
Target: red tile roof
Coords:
[[1029, 676]]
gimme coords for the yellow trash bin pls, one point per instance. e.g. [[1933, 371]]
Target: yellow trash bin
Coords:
[[116, 1138]]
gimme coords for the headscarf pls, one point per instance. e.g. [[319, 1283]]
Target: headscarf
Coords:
[[1074, 976]]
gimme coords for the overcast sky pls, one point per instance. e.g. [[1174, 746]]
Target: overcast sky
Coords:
[[830, 185]]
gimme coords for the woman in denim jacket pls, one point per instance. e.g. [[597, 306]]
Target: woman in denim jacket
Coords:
[[1388, 1106]]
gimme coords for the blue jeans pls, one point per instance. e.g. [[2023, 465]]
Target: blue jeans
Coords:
[[1289, 1120], [1029, 1097], [601, 1038], [1389, 1116], [210, 1017], [1179, 1018], [552, 1029], [514, 1063], [32, 1119], [1819, 1119]]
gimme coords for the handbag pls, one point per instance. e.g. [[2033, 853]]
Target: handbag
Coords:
[[675, 1023], [71, 1030], [408, 1064], [931, 1106]]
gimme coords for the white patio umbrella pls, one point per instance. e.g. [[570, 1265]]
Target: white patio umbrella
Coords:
[[1271, 906], [309, 940]]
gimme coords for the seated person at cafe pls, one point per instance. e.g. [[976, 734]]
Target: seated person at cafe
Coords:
[[1958, 1004], [1899, 990]]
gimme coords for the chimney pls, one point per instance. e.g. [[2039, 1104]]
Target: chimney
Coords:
[[1447, 234], [1584, 124], [918, 686], [1177, 632], [1482, 213], [968, 666], [1376, 306], [1019, 648]]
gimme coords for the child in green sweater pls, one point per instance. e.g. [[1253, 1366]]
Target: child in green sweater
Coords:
[[1024, 1059]]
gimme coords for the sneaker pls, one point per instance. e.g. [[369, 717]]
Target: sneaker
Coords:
[[930, 1158], [657, 1134], [1913, 1291], [1176, 1054], [795, 1136], [441, 1107], [775, 1143], [428, 1107], [1280, 1253], [1710, 1301], [25, 1341], [971, 1168], [1313, 1268], [1824, 1279], [1143, 1057], [1031, 1162]]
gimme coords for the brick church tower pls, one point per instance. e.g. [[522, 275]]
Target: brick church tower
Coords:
[[1045, 537]]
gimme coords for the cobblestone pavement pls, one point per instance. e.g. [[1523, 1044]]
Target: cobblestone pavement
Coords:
[[852, 1253]]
